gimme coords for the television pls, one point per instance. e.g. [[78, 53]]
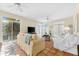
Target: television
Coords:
[[31, 29]]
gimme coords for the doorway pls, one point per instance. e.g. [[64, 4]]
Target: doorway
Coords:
[[10, 28]]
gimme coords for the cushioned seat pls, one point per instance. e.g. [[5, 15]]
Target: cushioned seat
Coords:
[[35, 45]]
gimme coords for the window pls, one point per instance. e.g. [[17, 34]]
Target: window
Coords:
[[41, 28]]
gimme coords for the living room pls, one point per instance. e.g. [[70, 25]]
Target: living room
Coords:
[[43, 30]]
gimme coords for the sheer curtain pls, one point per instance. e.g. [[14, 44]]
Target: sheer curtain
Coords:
[[58, 29]]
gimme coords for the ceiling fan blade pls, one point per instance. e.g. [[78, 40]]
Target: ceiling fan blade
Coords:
[[18, 6]]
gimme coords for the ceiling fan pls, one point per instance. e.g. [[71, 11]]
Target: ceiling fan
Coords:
[[47, 19], [18, 6]]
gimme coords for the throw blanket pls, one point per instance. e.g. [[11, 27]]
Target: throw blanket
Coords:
[[66, 42], [8, 48]]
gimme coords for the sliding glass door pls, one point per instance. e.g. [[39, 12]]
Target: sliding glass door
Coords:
[[10, 28]]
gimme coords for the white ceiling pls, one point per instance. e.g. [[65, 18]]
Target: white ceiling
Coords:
[[39, 11]]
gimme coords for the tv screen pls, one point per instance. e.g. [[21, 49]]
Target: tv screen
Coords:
[[31, 29]]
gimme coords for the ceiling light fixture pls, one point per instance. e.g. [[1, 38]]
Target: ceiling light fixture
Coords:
[[47, 19], [18, 5]]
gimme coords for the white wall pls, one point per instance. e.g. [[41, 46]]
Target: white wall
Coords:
[[24, 22], [64, 22]]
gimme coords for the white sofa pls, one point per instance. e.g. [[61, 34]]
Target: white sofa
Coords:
[[68, 43]]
